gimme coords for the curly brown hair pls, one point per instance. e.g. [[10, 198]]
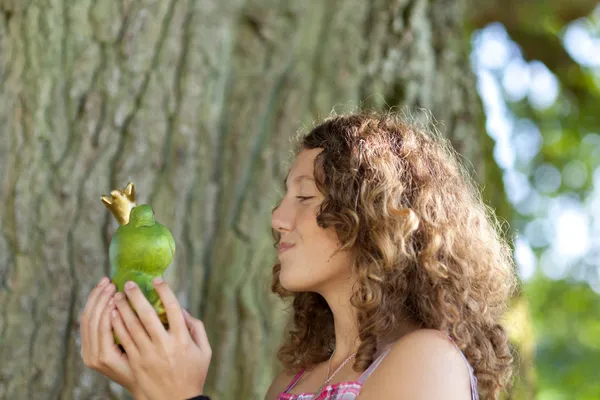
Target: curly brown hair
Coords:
[[425, 245]]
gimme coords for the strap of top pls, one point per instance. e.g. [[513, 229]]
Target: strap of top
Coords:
[[473, 378], [373, 365], [378, 360], [294, 380], [361, 379]]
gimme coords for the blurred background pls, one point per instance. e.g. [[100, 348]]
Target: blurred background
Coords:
[[538, 75], [197, 101]]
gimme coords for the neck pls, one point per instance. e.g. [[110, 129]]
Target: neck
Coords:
[[345, 321]]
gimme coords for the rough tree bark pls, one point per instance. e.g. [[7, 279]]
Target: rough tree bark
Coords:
[[195, 102]]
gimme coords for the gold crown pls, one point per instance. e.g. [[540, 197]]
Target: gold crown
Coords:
[[120, 203]]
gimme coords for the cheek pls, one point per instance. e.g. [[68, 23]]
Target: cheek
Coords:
[[322, 243], [313, 262]]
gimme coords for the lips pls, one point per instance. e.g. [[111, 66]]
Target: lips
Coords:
[[283, 246]]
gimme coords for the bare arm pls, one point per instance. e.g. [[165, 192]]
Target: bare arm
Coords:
[[422, 365]]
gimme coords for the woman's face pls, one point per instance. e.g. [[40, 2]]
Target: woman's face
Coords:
[[306, 251]]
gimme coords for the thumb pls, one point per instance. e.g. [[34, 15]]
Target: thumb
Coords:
[[197, 332]]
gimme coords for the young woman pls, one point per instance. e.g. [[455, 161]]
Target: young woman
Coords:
[[398, 272]]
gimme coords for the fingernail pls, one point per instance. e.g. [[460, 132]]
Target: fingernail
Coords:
[[108, 288], [157, 281], [103, 281], [129, 285], [114, 313], [118, 296], [111, 302]]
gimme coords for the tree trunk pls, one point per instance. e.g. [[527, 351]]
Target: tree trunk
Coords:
[[195, 102]]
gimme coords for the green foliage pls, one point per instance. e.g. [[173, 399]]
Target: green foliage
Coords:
[[567, 331], [564, 313]]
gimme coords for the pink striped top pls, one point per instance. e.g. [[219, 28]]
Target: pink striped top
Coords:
[[350, 390]]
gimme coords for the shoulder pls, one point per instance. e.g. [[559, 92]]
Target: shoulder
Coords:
[[424, 364], [279, 384]]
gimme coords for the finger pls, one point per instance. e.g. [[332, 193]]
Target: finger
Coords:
[[101, 302], [93, 296], [106, 339], [174, 311], [198, 332], [136, 330], [123, 334], [109, 350], [96, 314], [84, 318], [145, 312]]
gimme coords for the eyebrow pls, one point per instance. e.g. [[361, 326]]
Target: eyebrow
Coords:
[[298, 179]]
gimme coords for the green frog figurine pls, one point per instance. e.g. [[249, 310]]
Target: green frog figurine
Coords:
[[141, 249]]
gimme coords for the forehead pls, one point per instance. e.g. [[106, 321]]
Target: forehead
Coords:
[[303, 166]]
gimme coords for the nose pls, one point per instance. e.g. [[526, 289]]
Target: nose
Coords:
[[282, 218]]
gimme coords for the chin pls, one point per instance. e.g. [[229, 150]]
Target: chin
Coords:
[[295, 282]]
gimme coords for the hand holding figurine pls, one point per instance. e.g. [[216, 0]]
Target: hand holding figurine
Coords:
[[166, 363]]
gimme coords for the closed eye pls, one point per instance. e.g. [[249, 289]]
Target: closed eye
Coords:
[[304, 198]]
